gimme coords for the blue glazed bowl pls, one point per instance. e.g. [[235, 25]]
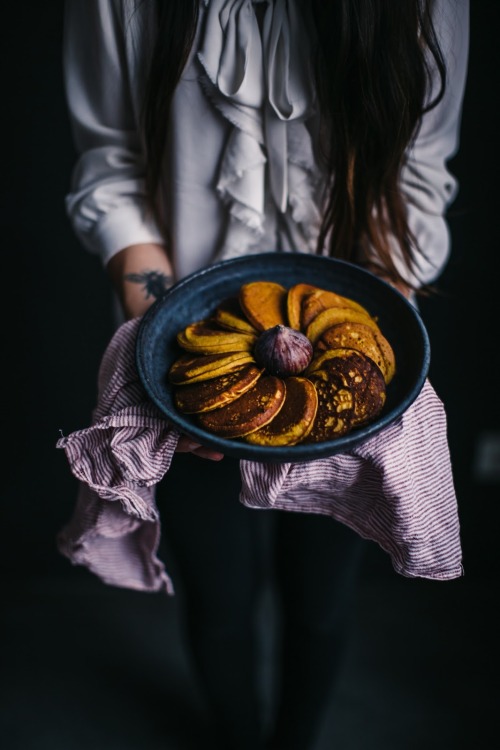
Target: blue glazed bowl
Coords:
[[196, 296]]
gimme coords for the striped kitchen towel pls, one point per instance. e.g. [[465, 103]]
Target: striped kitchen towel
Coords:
[[395, 489]]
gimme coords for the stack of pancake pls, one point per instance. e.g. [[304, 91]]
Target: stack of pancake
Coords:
[[218, 381]]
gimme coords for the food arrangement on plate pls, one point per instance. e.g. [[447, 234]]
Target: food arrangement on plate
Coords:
[[282, 366]]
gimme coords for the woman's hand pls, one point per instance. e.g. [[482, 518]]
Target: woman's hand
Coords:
[[187, 445]]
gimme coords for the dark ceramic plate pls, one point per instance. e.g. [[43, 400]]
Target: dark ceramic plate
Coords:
[[196, 296]]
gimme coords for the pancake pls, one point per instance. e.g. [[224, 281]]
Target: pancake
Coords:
[[294, 420], [335, 408], [323, 355], [193, 368], [318, 301], [264, 304], [216, 392], [207, 337], [334, 315], [254, 409], [229, 315], [365, 379], [294, 298], [358, 373], [364, 339]]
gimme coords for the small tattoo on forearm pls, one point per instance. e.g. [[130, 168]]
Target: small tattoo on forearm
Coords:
[[155, 283]]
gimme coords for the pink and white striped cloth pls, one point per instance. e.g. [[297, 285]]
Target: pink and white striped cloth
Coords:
[[395, 489]]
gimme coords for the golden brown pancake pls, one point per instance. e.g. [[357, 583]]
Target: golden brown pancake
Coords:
[[358, 373], [364, 339], [323, 355], [335, 408], [318, 301], [334, 315], [207, 337], [193, 368], [252, 410], [294, 420], [264, 304], [216, 392], [294, 298], [230, 315]]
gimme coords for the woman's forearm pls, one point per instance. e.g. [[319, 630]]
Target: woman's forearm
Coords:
[[140, 274]]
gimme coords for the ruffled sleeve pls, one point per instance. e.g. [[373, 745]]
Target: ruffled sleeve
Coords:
[[106, 202]]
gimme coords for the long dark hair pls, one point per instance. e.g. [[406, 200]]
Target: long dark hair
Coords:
[[374, 71]]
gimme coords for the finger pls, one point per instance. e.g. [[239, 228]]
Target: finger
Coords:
[[187, 445], [207, 453]]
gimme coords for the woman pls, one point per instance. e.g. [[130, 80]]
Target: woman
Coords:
[[208, 129]]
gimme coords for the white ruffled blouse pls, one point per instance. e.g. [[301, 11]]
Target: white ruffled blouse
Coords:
[[242, 172]]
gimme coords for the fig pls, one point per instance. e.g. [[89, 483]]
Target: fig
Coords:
[[283, 351]]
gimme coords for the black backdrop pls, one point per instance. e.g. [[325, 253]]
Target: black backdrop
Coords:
[[57, 312]]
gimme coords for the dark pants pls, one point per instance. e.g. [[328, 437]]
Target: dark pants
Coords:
[[225, 554]]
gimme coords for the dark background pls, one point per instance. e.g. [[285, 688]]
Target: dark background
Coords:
[[85, 666]]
